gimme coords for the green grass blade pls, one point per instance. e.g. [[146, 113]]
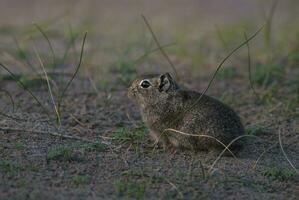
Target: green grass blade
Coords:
[[25, 55], [249, 68], [74, 75], [70, 44], [48, 41], [139, 59], [49, 86], [10, 98], [160, 47], [222, 62], [268, 25], [221, 38]]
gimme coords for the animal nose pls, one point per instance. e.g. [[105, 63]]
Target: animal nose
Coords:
[[130, 92]]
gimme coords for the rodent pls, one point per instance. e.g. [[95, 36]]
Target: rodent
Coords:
[[164, 105]]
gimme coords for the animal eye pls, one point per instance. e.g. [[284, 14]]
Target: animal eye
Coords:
[[145, 84]]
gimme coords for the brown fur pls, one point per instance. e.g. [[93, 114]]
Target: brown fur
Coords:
[[164, 105]]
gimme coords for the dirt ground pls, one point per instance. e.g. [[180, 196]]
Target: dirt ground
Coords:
[[101, 150]]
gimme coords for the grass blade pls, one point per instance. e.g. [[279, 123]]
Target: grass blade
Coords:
[[71, 44], [139, 59], [11, 117], [74, 75], [13, 107], [25, 88], [25, 56], [221, 38], [249, 67], [49, 86], [221, 63], [10, 98], [160, 47], [233, 141], [199, 135], [269, 20], [284, 153], [48, 41], [262, 154]]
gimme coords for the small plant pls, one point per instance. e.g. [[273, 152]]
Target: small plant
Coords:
[[66, 152], [27, 82], [281, 174], [80, 180], [61, 152], [125, 134], [257, 130], [130, 190]]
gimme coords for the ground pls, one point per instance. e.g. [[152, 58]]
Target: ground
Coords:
[[97, 147]]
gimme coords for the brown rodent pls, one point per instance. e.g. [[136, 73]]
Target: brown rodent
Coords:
[[164, 105]]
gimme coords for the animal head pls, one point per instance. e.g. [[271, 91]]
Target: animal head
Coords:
[[151, 89]]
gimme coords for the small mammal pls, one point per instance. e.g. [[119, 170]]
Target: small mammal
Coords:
[[164, 105]]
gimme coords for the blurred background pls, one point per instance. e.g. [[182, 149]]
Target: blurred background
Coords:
[[197, 33]]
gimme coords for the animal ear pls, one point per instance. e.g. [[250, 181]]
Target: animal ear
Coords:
[[166, 82]]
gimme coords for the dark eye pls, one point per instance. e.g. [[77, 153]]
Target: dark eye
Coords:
[[145, 84]]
